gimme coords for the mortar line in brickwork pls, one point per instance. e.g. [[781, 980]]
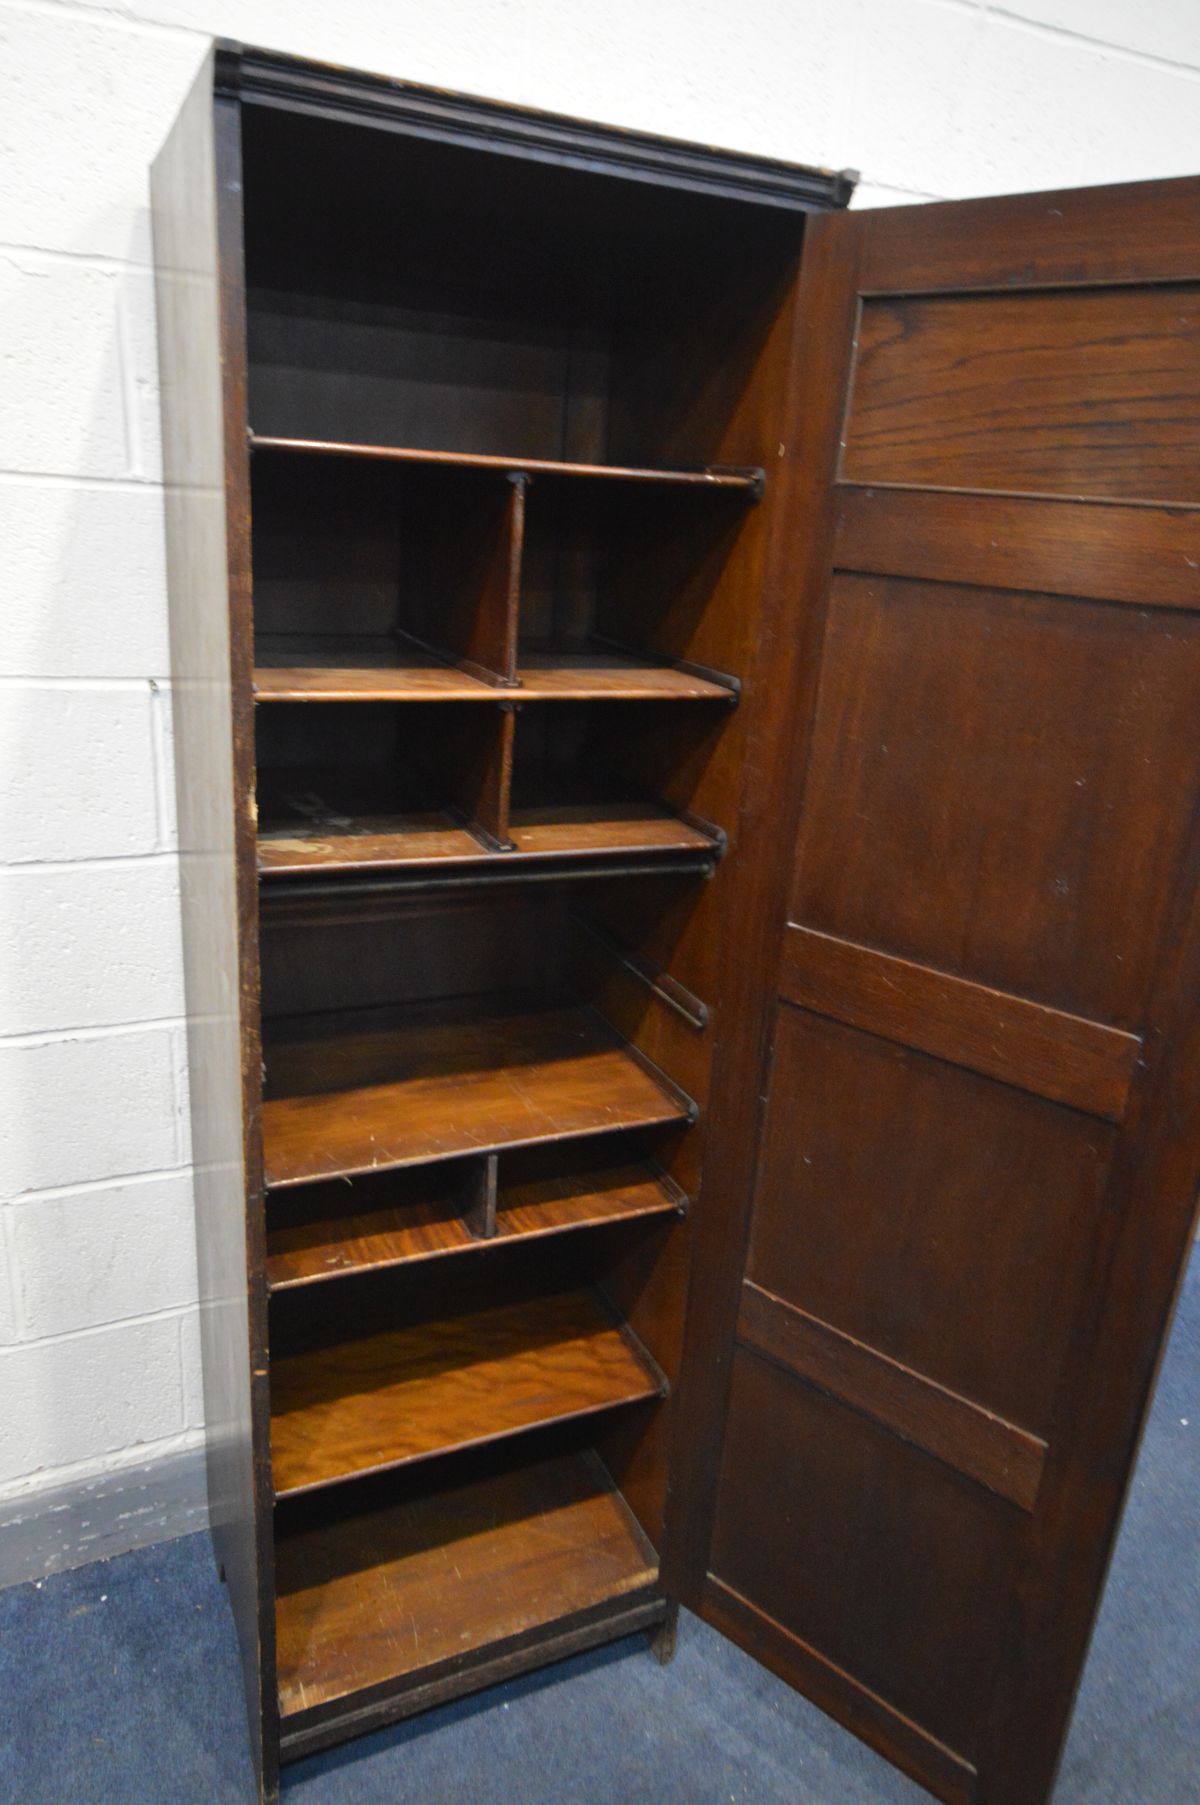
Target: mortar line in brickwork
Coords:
[[43, 1037]]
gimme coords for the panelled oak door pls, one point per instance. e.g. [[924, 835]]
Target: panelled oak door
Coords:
[[979, 1153]]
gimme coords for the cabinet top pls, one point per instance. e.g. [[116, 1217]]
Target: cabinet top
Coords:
[[268, 77]]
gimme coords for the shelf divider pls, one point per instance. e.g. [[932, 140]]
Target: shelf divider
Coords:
[[312, 1239], [479, 1217]]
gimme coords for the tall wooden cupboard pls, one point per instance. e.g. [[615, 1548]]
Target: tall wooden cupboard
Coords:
[[687, 718]]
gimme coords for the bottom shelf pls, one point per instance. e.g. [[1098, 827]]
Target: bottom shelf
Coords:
[[388, 1594]]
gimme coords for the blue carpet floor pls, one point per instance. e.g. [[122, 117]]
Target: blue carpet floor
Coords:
[[118, 1686]]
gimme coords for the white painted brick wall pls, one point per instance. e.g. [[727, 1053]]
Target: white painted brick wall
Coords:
[[929, 98]]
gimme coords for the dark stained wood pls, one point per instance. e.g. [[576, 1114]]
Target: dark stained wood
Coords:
[[493, 1665], [385, 1400], [392, 1088], [746, 480], [917, 1496], [197, 220], [320, 1247], [426, 795], [333, 947], [944, 1153], [479, 1201], [363, 566], [1095, 392], [614, 388], [815, 1499], [927, 1186], [775, 717], [1149, 557], [398, 1591], [1134, 232], [999, 1455], [484, 789], [946, 1775], [1055, 1055], [259, 76], [1034, 748]]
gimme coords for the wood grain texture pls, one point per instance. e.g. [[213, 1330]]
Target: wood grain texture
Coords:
[[367, 842], [1149, 557], [1131, 232], [904, 1743], [407, 676], [392, 1088], [391, 674], [984, 757], [579, 676], [882, 1163], [197, 220], [326, 1246], [806, 384], [493, 1665], [326, 819], [877, 1557], [1063, 1057], [566, 828], [1090, 393], [401, 1590], [1005, 1458], [746, 481], [379, 842], [382, 1401], [1003, 756], [680, 350]]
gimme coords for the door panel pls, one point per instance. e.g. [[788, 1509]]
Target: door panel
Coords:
[[1095, 393], [983, 761], [968, 1192], [886, 1556], [892, 1163]]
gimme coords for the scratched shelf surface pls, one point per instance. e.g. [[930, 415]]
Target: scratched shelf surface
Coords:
[[373, 1089], [390, 1593]]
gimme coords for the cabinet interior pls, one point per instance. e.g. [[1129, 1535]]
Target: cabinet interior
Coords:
[[512, 426]]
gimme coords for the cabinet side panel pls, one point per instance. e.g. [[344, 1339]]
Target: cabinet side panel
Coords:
[[197, 236]]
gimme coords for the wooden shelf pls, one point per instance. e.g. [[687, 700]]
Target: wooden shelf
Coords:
[[566, 676], [394, 1592], [323, 821], [366, 842], [329, 1246], [581, 675], [574, 829], [386, 1400], [748, 482], [433, 838], [391, 674], [372, 1089]]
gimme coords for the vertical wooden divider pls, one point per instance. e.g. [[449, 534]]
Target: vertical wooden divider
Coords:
[[498, 624], [492, 777], [479, 1212], [490, 652], [469, 752]]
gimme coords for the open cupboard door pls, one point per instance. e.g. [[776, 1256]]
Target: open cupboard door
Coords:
[[973, 988]]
